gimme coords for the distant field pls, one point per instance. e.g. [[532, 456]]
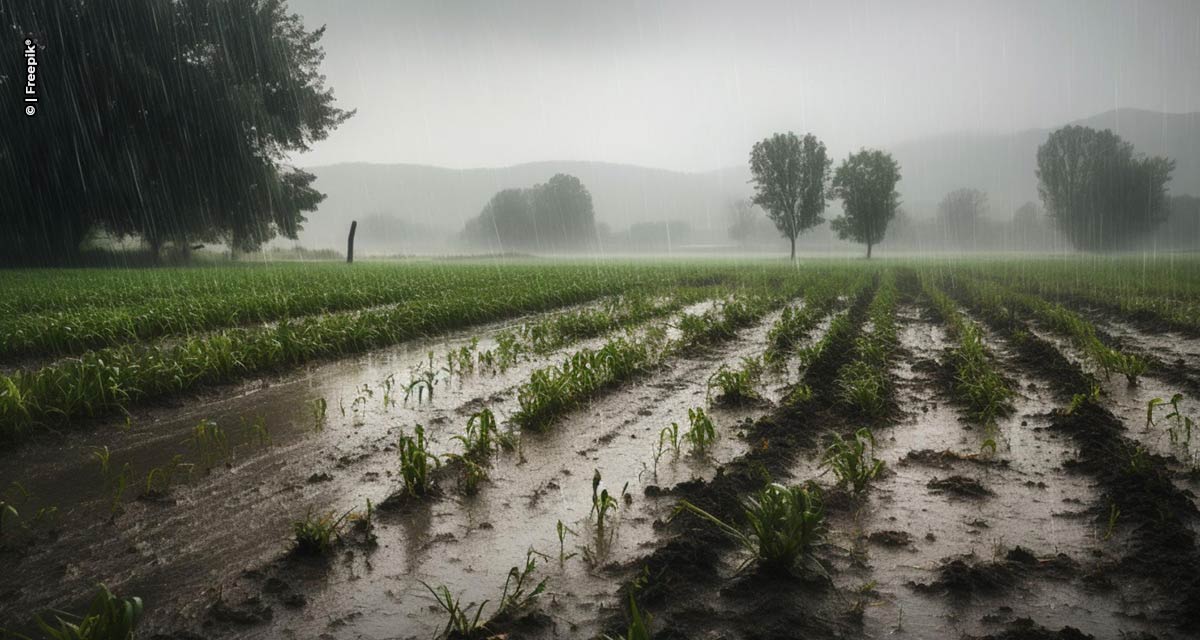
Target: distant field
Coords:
[[958, 435]]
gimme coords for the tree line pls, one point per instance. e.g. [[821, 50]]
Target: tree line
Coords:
[[1097, 191]]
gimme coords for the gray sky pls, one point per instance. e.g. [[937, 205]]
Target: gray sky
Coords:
[[690, 85]]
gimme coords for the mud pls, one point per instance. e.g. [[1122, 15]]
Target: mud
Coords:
[[1139, 498], [692, 582], [197, 536], [469, 543]]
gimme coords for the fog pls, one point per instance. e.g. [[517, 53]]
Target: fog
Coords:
[[415, 118], [655, 106]]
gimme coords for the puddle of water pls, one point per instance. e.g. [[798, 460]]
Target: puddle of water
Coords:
[[1034, 504], [469, 544], [161, 550], [1129, 403]]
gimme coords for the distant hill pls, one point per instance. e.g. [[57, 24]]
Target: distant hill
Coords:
[[1004, 165], [405, 208]]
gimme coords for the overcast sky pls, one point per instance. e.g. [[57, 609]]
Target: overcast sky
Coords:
[[690, 85]]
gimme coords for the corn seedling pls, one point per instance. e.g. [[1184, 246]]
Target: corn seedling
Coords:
[[388, 384], [209, 442], [562, 531], [108, 618], [471, 474], [415, 459], [518, 594], [602, 503], [460, 622], [160, 479], [1180, 426], [1138, 460], [639, 624], [864, 387], [422, 385], [781, 524], [317, 535], [483, 436], [701, 432], [1113, 515], [736, 386], [257, 432], [104, 457], [317, 410], [853, 461]]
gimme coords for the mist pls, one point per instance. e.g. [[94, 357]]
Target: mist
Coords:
[[655, 107]]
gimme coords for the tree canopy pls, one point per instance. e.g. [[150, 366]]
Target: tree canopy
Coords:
[[791, 176], [1099, 193], [960, 213], [557, 215], [166, 119], [866, 183]]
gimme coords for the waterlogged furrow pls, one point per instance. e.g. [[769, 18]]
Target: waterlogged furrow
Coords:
[[1062, 321], [686, 571], [1161, 561], [111, 380], [340, 453], [977, 383], [553, 391]]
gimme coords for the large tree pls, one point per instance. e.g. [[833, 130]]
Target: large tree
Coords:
[[1099, 193], [960, 213], [553, 216], [866, 183], [166, 119], [744, 221], [563, 215], [791, 176]]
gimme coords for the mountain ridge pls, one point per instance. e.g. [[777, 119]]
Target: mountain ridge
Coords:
[[428, 204]]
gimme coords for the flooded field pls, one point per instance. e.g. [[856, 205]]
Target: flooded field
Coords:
[[836, 450]]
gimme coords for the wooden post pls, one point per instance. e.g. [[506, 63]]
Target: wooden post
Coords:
[[350, 242]]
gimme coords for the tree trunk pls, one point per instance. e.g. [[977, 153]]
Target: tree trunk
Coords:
[[793, 239], [350, 242], [868, 251], [155, 248]]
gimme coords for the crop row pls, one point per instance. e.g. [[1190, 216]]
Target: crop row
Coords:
[[977, 383], [1062, 321], [74, 330], [109, 380], [552, 391], [1163, 291], [796, 322], [864, 384]]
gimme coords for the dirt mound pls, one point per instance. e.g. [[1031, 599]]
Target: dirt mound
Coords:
[[961, 486]]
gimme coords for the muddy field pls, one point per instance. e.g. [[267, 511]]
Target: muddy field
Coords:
[[842, 449]]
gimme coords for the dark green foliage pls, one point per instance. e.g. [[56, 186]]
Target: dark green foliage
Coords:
[[791, 175], [167, 120], [547, 217], [866, 183], [1097, 190]]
